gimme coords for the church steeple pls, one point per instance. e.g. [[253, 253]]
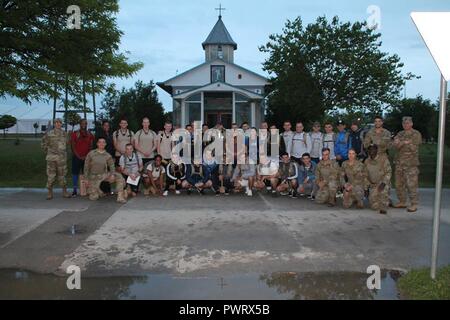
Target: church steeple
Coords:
[[219, 43]]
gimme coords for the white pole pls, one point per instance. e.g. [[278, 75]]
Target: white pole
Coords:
[[439, 171]]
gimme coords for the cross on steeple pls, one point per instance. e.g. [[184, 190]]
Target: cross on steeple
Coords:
[[220, 9]]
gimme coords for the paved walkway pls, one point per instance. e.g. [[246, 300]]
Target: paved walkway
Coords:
[[207, 235]]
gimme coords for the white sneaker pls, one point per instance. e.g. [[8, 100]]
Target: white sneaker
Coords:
[[166, 193], [177, 192], [250, 193]]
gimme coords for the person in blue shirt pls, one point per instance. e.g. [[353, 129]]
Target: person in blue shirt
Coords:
[[307, 177], [342, 144]]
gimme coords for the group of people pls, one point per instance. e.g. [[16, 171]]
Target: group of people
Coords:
[[320, 166]]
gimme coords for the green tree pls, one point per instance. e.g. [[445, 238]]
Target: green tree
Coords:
[[344, 60], [6, 122], [134, 104], [72, 118], [39, 50], [423, 112]]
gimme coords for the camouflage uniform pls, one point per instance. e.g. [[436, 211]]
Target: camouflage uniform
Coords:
[[378, 171], [407, 166], [54, 144], [99, 167], [328, 172], [356, 176], [382, 140]]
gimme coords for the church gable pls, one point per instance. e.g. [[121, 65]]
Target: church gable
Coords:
[[212, 71]]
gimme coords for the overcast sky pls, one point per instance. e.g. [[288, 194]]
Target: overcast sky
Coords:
[[167, 35]]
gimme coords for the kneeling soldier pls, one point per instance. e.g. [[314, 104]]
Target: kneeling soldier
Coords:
[[379, 174], [354, 179], [327, 179], [99, 167]]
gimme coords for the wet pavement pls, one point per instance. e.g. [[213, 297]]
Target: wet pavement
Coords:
[[275, 286], [249, 246]]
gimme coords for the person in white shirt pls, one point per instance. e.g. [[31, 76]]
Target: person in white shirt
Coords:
[[131, 166], [266, 175], [317, 143], [145, 142], [301, 143], [286, 136], [155, 176], [329, 139]]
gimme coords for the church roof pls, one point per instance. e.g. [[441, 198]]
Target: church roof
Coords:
[[219, 35]]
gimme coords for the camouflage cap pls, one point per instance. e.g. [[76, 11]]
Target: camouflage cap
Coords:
[[408, 118]]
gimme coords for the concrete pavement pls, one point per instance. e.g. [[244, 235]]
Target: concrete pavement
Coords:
[[207, 235]]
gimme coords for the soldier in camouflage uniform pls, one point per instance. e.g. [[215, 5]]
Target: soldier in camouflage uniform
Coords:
[[379, 136], [54, 144], [407, 144], [353, 180], [99, 167], [327, 179], [379, 174]]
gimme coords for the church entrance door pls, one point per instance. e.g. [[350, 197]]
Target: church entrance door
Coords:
[[213, 118]]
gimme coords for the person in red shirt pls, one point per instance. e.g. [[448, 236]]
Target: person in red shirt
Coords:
[[81, 142]]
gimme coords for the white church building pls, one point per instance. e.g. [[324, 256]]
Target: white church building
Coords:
[[218, 90]]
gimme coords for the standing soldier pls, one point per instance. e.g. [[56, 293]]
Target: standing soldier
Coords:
[[54, 144], [407, 143], [145, 142], [121, 138], [379, 174], [99, 167], [327, 179], [379, 136], [353, 180]]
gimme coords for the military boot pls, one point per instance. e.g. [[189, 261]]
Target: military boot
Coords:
[[120, 196], [50, 194], [65, 193], [400, 205], [360, 204], [412, 208]]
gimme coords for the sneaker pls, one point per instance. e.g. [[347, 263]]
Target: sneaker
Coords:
[[165, 193], [74, 193], [177, 192], [294, 195], [249, 193], [284, 193], [269, 188]]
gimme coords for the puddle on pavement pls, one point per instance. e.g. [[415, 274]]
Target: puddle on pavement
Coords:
[[273, 286]]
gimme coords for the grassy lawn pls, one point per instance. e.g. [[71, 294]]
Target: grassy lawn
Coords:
[[23, 165], [417, 285]]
